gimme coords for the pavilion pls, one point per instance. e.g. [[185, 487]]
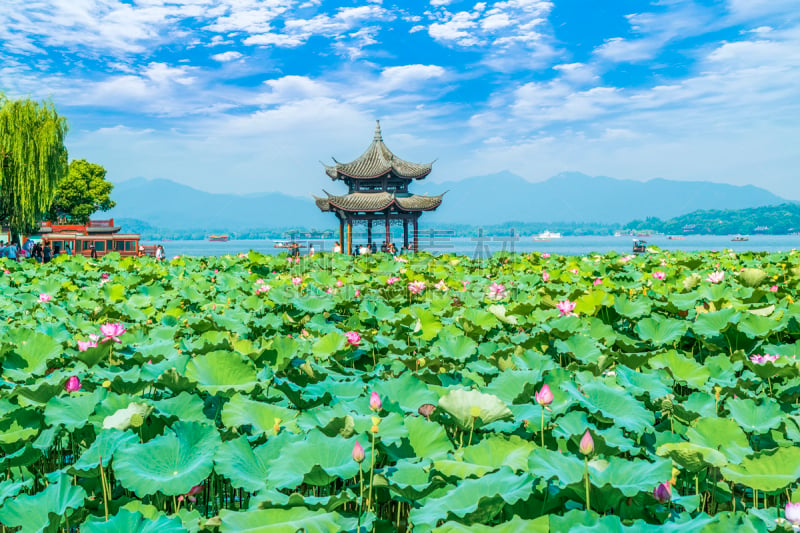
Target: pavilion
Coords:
[[378, 192]]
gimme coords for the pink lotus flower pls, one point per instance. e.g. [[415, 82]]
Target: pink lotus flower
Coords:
[[392, 280], [497, 291], [598, 281], [297, 280], [358, 453], [353, 338], [416, 287], [761, 359], [566, 307], [296, 259], [659, 275], [289, 259], [6, 271], [792, 513], [545, 276], [400, 259], [73, 384], [545, 396], [716, 276], [216, 271], [263, 288], [774, 288], [112, 332], [574, 270], [464, 283], [91, 343], [329, 290], [426, 410], [339, 283], [662, 493], [441, 285], [259, 281], [44, 297], [358, 293], [375, 401], [197, 489], [545, 255], [587, 443], [104, 275]]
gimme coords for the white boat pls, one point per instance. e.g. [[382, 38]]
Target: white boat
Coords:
[[546, 236]]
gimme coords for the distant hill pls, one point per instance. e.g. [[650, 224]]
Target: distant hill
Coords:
[[777, 220], [165, 204], [477, 201], [576, 197]]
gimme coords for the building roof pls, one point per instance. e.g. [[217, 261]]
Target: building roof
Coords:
[[376, 161], [378, 201]]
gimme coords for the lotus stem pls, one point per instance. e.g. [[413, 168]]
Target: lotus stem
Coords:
[[105, 491], [542, 426], [360, 495], [371, 472], [586, 482], [755, 499], [471, 427]]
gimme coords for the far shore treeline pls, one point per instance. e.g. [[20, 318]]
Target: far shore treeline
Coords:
[[768, 220]]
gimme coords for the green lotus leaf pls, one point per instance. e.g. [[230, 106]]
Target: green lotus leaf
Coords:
[[33, 351], [72, 411], [712, 324], [501, 313], [284, 521], [766, 471], [514, 385], [184, 406], [757, 327], [245, 466], [548, 464], [496, 451], [314, 460], [632, 308], [642, 383], [50, 505], [516, 524], [313, 305], [407, 391], [692, 457], [613, 404], [242, 411], [427, 439], [458, 348], [659, 330], [682, 368], [103, 448], [631, 476], [10, 488], [721, 434], [474, 500], [221, 371], [172, 463], [752, 277], [753, 417], [126, 520], [473, 409], [329, 344]]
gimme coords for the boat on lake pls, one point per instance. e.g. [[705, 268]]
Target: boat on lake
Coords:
[[740, 238], [287, 244], [546, 236], [217, 238], [675, 238]]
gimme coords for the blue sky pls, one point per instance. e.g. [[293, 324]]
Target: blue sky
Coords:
[[249, 95]]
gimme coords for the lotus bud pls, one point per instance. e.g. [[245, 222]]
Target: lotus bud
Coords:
[[137, 420], [106, 384], [375, 422], [73, 384], [587, 443], [474, 411], [358, 453], [375, 402], [277, 425], [792, 513], [662, 493], [426, 410], [544, 396]]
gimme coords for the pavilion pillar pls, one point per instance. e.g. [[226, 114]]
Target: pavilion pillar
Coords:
[[349, 236], [405, 233], [416, 235], [388, 230], [341, 235], [369, 232]]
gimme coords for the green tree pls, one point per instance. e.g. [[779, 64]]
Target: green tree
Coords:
[[33, 160], [83, 192]]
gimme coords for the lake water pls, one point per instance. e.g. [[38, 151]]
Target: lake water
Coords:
[[484, 246]]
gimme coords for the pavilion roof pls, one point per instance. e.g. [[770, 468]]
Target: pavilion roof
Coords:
[[378, 201], [376, 161]]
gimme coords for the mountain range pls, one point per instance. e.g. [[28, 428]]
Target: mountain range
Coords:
[[481, 200]]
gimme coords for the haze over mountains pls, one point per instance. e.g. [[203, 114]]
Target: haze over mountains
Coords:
[[481, 200]]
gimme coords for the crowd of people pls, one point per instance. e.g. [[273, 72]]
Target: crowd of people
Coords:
[[371, 248], [42, 252]]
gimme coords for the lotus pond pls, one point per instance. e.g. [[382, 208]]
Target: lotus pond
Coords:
[[518, 393]]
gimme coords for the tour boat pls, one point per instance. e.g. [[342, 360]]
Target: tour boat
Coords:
[[287, 244], [217, 238], [102, 236], [675, 238], [546, 236], [740, 238]]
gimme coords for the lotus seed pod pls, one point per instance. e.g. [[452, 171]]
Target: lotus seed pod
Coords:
[[137, 420], [474, 411]]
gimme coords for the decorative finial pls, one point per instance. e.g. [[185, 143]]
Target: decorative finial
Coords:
[[378, 131]]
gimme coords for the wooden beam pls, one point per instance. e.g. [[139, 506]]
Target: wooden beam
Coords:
[[349, 237], [416, 234], [388, 230]]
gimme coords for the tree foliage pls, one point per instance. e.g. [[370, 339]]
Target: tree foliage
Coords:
[[82, 192], [772, 219], [33, 160]]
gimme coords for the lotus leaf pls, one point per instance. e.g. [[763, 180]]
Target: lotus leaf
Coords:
[[172, 463], [284, 520], [126, 520], [472, 409], [767, 471], [754, 417], [222, 371], [50, 505]]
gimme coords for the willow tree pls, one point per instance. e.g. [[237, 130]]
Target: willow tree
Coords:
[[33, 159]]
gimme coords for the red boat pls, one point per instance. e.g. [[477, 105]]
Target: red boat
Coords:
[[217, 238]]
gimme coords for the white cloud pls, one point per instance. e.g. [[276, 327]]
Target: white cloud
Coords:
[[224, 57]]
